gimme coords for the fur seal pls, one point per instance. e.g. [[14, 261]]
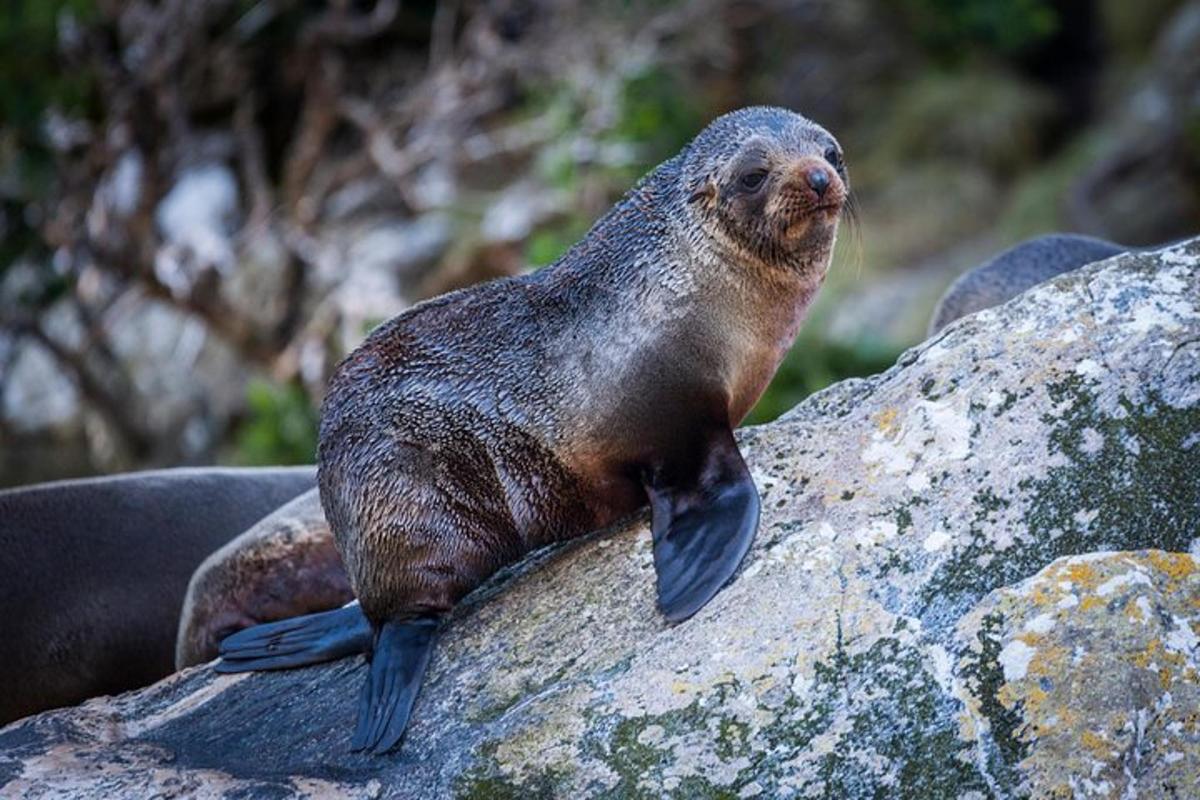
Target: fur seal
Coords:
[[1019, 268], [94, 573], [480, 425], [286, 564]]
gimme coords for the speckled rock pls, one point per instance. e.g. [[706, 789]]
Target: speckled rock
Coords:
[[1084, 677], [865, 650]]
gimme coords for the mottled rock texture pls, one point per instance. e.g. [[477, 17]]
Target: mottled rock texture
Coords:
[[1086, 676], [971, 581]]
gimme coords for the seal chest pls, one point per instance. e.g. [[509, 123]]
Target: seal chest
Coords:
[[482, 424]]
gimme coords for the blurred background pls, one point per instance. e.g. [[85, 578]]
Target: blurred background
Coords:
[[204, 204]]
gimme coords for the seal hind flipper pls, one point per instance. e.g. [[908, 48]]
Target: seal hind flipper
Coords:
[[296, 642], [401, 654], [702, 529]]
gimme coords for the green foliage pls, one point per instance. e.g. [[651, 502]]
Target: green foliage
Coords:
[[547, 245], [950, 29], [280, 428], [31, 78], [658, 115], [814, 363], [983, 116], [32, 81], [657, 119], [1131, 28], [1036, 202]]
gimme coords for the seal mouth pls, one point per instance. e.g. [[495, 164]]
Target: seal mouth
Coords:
[[802, 219]]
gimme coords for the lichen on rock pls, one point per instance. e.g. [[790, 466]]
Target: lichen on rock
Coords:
[[1096, 690], [901, 628]]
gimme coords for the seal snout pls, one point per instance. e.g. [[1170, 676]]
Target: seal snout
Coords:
[[813, 182], [811, 192], [818, 180]]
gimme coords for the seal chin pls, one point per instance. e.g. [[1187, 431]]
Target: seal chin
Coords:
[[812, 221]]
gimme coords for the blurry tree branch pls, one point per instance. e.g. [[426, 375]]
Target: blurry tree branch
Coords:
[[231, 157], [109, 397], [341, 26]]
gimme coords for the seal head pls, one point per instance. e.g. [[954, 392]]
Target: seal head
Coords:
[[1013, 271], [285, 565], [766, 185]]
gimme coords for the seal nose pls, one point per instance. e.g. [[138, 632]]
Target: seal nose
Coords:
[[818, 179]]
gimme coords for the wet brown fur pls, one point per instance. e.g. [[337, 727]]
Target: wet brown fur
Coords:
[[490, 421]]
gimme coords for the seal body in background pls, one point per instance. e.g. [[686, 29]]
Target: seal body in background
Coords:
[[94, 574], [483, 424], [1012, 272], [286, 564]]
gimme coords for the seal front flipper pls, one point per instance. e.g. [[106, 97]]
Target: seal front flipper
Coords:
[[702, 527], [298, 641], [401, 654]]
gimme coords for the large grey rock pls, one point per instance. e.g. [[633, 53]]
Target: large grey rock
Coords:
[[902, 627]]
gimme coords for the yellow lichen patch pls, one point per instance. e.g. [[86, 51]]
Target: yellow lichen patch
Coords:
[[1008, 695], [1134, 612], [1154, 654], [1085, 670], [1068, 719], [1048, 660], [1083, 575], [1148, 655], [1173, 658], [885, 421], [1044, 595], [1176, 566], [1035, 697], [968, 727], [1096, 744]]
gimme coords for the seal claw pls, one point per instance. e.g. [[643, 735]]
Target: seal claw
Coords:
[[297, 642]]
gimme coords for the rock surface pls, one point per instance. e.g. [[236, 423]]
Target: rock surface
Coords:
[[1086, 675], [971, 581]]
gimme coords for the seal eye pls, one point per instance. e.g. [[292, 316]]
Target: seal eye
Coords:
[[834, 157], [752, 180]]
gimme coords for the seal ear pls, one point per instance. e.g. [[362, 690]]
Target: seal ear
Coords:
[[702, 527], [702, 190]]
